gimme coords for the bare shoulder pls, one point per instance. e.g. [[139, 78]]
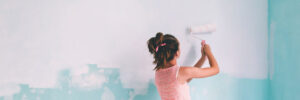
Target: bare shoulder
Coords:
[[195, 72], [185, 70]]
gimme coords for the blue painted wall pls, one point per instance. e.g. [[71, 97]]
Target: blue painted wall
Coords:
[[220, 87], [284, 43]]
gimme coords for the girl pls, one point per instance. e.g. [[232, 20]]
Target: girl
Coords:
[[170, 79]]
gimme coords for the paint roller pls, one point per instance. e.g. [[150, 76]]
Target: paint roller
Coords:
[[201, 30], [199, 33], [207, 28]]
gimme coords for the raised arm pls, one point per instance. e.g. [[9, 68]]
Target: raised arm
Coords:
[[187, 73], [202, 59]]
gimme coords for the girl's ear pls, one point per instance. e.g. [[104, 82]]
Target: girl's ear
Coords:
[[178, 54]]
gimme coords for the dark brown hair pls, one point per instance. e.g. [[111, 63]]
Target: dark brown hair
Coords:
[[165, 53]]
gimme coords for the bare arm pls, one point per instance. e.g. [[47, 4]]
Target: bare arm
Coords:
[[203, 56], [195, 72], [212, 61], [200, 62]]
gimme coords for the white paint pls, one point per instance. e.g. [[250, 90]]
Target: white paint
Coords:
[[78, 71], [83, 79], [8, 97], [271, 50], [240, 43], [8, 89], [207, 28], [24, 97], [107, 94]]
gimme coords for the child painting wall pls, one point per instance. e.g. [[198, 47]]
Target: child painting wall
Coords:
[[97, 50]]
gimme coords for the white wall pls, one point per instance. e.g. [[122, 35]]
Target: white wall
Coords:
[[40, 38], [241, 40]]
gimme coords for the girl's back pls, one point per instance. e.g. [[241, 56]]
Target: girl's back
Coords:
[[168, 86]]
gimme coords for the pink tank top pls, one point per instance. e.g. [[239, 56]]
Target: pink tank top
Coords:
[[168, 87]]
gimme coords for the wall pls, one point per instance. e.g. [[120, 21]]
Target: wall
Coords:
[[284, 46], [91, 49]]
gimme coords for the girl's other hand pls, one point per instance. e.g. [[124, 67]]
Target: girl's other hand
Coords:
[[202, 51], [202, 48], [207, 48]]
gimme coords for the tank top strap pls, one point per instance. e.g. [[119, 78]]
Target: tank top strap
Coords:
[[177, 70]]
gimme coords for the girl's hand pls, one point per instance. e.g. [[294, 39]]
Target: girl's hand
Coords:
[[202, 51], [202, 48], [207, 49]]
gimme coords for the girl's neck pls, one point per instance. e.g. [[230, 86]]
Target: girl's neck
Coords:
[[171, 63]]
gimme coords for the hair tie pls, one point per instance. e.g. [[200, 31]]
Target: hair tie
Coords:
[[163, 44]]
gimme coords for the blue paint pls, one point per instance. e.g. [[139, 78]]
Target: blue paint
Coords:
[[67, 92], [284, 37], [225, 87], [222, 86]]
